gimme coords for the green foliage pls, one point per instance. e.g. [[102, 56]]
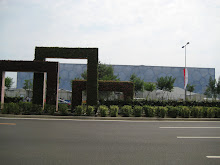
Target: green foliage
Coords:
[[166, 83], [138, 83], [103, 110], [172, 111], [210, 112], [184, 111], [79, 110], [126, 110], [196, 112], [149, 111], [114, 110], [63, 109], [211, 90], [90, 110], [50, 109], [28, 85], [8, 82], [11, 108], [150, 87], [217, 112], [13, 99], [25, 107], [137, 111], [160, 111], [190, 88], [105, 72]]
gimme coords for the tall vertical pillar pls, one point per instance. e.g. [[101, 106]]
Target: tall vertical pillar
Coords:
[[2, 88], [92, 78], [53, 86], [39, 88]]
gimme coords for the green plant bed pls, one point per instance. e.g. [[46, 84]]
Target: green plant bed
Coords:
[[103, 110], [138, 111], [126, 111], [114, 110]]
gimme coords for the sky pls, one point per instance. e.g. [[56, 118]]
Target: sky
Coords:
[[126, 32]]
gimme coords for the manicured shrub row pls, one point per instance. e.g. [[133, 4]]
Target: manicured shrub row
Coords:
[[121, 103], [27, 108], [152, 111], [12, 99], [114, 110]]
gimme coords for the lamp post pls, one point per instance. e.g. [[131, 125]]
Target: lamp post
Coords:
[[185, 67]]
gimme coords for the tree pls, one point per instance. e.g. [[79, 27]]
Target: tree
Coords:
[[218, 86], [138, 83], [165, 84], [211, 90], [150, 87], [8, 82], [190, 88], [105, 72], [28, 86]]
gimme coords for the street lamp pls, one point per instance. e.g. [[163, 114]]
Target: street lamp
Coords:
[[185, 69]]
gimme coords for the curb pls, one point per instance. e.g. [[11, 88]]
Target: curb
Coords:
[[105, 118]]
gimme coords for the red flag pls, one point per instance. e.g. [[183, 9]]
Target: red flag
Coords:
[[185, 77]]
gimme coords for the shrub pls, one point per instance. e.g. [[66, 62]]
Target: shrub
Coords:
[[49, 109], [149, 111], [196, 112], [204, 111], [63, 109], [25, 107], [137, 111], [211, 112], [184, 111], [114, 110], [126, 110], [217, 112], [103, 110], [11, 108], [79, 110], [172, 111], [161, 111], [90, 110]]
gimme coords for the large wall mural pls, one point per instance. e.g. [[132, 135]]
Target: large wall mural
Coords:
[[197, 76]]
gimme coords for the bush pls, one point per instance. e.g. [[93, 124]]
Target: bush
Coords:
[[161, 111], [90, 110], [211, 112], [184, 111], [149, 111], [172, 111], [49, 109], [126, 110], [114, 110], [217, 112], [103, 110], [63, 109], [196, 111], [10, 108], [137, 111], [79, 110], [25, 107]]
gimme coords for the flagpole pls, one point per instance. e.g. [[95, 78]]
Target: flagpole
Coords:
[[185, 70]]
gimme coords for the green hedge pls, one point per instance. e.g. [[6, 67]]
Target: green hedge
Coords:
[[114, 110]]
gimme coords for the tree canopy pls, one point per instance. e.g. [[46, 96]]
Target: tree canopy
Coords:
[[166, 83], [138, 83], [8, 82], [105, 72], [212, 88]]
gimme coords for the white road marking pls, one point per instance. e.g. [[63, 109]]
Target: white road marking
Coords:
[[213, 157], [187, 127], [196, 137]]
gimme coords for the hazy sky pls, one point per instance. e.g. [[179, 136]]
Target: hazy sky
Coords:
[[127, 32]]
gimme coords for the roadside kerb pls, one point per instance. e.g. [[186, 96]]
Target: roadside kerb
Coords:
[[108, 118]]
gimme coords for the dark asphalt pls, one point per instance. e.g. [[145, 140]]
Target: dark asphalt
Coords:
[[49, 142]]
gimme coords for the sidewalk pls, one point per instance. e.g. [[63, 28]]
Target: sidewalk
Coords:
[[105, 118]]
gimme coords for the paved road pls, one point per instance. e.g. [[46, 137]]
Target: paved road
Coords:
[[31, 141]]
